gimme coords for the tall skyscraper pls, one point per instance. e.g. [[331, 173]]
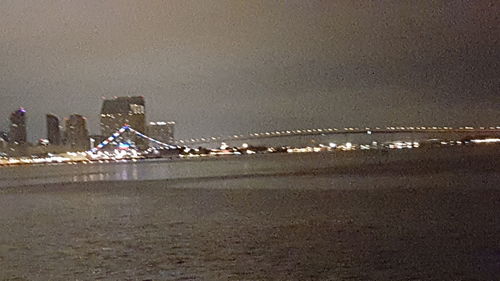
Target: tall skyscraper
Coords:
[[119, 111], [17, 133], [76, 133], [162, 131], [53, 130]]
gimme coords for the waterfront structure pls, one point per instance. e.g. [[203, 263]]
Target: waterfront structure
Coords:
[[76, 134], [17, 133], [53, 130], [162, 131]]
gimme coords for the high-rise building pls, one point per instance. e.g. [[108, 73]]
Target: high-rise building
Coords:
[[117, 112], [17, 133], [76, 134], [53, 130], [162, 131]]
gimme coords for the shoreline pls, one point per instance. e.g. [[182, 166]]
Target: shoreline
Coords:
[[482, 163], [357, 152]]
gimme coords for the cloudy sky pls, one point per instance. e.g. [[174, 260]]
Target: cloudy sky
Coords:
[[228, 66]]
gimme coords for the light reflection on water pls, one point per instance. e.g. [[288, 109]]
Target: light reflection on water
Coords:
[[147, 170], [124, 175], [26, 175], [109, 172], [220, 167]]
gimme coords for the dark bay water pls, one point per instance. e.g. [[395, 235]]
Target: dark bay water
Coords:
[[273, 218]]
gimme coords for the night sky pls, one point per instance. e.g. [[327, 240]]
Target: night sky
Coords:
[[220, 67]]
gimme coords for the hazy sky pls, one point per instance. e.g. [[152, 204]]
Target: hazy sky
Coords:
[[219, 67]]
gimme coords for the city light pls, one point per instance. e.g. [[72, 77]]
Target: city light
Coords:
[[489, 140], [135, 142]]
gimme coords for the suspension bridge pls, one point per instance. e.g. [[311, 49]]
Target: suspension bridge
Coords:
[[423, 130]]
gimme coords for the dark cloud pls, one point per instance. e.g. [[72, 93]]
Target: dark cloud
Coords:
[[236, 66]]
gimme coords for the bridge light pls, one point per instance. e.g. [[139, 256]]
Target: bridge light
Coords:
[[489, 140]]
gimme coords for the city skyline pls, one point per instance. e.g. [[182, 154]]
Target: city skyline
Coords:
[[168, 125], [276, 65], [115, 113]]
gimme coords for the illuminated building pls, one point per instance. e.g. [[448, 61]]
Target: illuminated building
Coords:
[[53, 130], [76, 134], [162, 131], [17, 133], [119, 111]]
